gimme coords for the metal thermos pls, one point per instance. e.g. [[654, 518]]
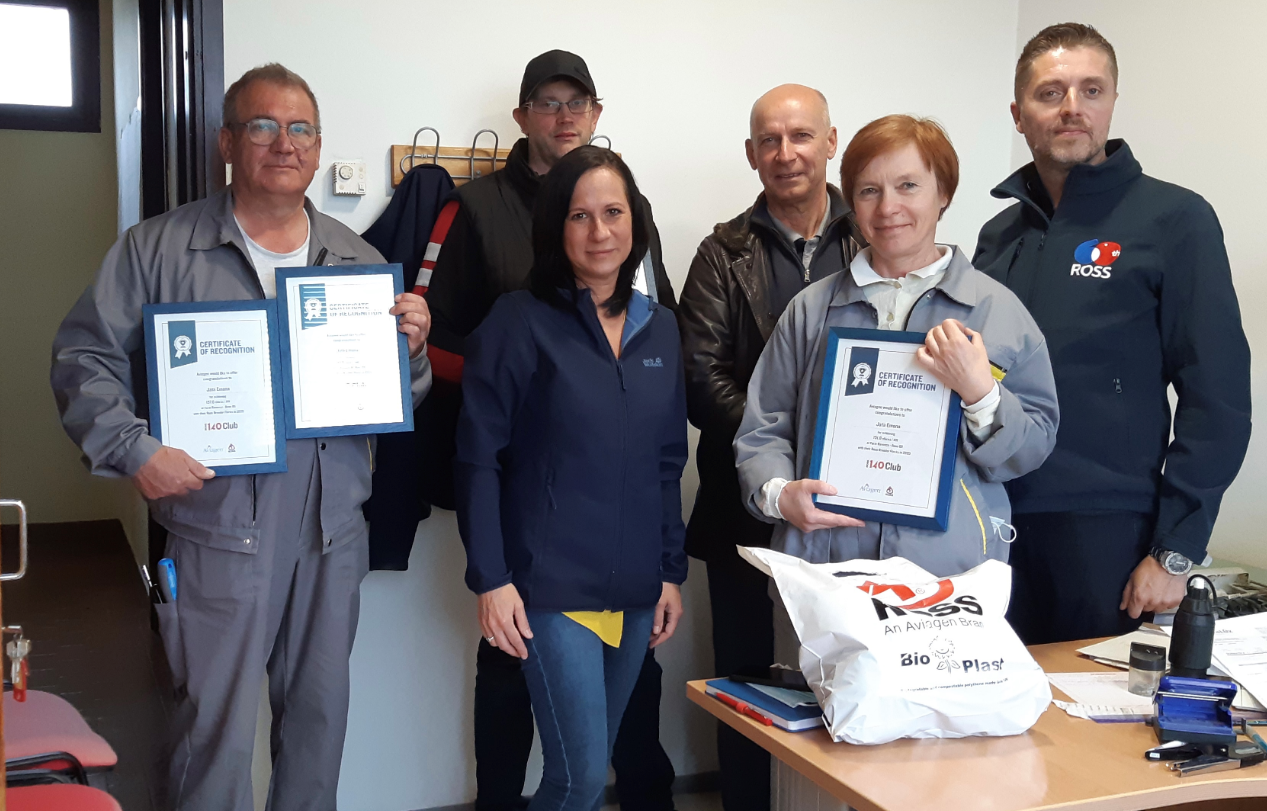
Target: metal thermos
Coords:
[[1192, 641]]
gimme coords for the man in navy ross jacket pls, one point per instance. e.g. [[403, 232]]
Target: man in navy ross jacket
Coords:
[[1128, 278]]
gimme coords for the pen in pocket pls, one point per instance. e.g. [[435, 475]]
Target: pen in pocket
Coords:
[[167, 579]]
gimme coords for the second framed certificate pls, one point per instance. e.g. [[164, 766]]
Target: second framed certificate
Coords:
[[346, 368], [887, 433]]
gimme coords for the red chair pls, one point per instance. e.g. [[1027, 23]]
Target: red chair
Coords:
[[59, 798], [46, 738]]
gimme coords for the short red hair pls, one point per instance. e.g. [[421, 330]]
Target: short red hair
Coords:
[[894, 132]]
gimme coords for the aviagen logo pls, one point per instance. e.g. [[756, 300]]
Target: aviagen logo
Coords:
[[927, 599], [1094, 258]]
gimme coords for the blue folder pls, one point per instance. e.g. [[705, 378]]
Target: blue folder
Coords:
[[793, 719]]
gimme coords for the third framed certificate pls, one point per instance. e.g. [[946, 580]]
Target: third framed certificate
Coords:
[[887, 432]]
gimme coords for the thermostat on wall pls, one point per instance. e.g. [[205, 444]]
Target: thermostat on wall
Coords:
[[349, 177]]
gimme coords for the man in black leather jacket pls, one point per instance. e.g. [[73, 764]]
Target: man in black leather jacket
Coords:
[[743, 276]]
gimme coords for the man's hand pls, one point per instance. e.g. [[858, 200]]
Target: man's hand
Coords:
[[170, 472], [796, 504], [415, 320], [1152, 588], [503, 620], [667, 613], [957, 357]]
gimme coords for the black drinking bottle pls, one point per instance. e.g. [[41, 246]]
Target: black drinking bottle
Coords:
[[1192, 642]]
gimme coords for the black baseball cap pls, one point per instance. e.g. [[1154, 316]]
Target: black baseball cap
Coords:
[[555, 65]]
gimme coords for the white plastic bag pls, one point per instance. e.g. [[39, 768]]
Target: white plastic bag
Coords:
[[892, 651]]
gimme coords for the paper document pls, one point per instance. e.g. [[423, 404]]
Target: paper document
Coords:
[[1104, 714], [792, 698], [1117, 651], [1240, 650], [1105, 689]]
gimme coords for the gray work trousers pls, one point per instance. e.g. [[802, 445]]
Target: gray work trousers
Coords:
[[290, 609]]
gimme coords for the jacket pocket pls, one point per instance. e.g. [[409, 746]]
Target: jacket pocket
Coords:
[[169, 633], [221, 515], [987, 519]]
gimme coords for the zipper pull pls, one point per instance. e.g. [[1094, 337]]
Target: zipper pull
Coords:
[[1117, 385], [620, 372], [1042, 240]]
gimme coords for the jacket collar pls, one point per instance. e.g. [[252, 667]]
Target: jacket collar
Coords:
[[959, 284], [524, 181], [1119, 167], [736, 235], [215, 227]]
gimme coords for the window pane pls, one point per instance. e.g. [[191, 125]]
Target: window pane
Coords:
[[34, 55]]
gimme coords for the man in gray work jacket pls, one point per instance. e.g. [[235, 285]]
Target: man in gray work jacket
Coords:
[[268, 566], [1128, 278]]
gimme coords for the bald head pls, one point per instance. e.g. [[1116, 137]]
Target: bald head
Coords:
[[787, 98], [791, 140]]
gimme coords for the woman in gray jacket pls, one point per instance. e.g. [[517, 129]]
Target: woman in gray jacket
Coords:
[[900, 174]]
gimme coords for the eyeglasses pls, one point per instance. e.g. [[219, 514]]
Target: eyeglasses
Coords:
[[575, 106], [264, 131]]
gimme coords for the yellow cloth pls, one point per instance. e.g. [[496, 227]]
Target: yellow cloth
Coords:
[[606, 625]]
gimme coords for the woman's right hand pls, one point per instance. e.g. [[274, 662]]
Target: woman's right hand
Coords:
[[796, 504], [503, 620]]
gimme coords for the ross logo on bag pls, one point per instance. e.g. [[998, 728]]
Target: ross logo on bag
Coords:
[[1094, 258], [928, 599]]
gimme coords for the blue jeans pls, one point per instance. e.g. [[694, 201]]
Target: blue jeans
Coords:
[[579, 688]]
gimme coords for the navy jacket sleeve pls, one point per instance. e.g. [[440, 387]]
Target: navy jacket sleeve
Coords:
[[1206, 358], [673, 455], [501, 360]]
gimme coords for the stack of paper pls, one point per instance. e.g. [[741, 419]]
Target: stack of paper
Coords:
[[1101, 697], [1240, 654]]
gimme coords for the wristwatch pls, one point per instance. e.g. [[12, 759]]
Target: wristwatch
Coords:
[[1173, 562]]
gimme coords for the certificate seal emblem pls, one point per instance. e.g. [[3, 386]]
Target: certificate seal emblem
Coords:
[[861, 374], [182, 345]]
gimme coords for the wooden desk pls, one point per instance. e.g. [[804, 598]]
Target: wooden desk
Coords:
[[1062, 762]]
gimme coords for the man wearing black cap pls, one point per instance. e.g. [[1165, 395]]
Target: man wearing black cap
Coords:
[[487, 251]]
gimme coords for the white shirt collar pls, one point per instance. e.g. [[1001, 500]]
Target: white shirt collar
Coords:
[[864, 274]]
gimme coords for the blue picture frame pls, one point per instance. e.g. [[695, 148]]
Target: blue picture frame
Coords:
[[149, 312], [293, 431], [940, 520]]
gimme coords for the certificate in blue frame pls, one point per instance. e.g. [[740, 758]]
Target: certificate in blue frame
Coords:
[[839, 341], [199, 311], [285, 276]]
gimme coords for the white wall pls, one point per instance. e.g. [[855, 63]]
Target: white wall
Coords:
[[678, 80], [1187, 110]]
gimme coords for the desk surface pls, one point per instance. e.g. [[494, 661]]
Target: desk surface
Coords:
[[1062, 762]]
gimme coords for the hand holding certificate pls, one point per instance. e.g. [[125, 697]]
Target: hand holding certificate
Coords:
[[887, 430]]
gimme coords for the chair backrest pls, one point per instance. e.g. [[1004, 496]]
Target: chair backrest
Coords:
[[48, 723]]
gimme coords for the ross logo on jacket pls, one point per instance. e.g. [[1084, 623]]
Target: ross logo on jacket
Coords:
[[654, 363], [1094, 258]]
